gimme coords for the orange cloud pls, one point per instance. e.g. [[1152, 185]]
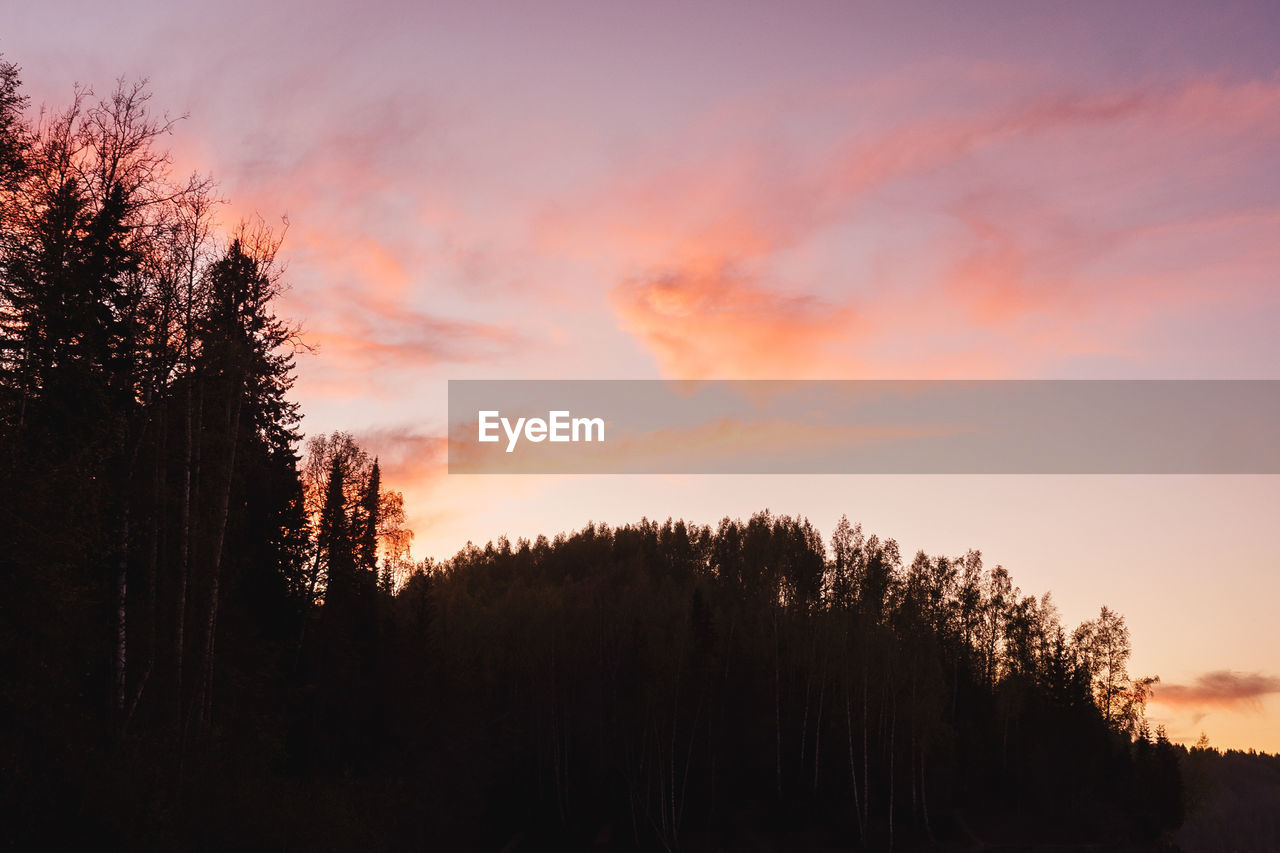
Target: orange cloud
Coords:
[[406, 455], [1221, 688], [716, 323]]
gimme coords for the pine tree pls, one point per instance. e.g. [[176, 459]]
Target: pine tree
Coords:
[[334, 539], [367, 543]]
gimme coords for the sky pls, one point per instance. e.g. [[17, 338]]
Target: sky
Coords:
[[750, 190]]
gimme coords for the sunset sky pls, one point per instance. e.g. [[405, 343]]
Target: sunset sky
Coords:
[[740, 190]]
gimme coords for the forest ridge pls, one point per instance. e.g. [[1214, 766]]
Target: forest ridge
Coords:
[[211, 639]]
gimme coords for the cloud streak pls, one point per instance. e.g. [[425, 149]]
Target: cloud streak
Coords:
[[1221, 688]]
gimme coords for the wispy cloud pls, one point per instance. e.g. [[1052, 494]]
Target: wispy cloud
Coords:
[[1002, 234]]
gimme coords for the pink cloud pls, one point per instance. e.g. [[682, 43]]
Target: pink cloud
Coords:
[[1015, 270]]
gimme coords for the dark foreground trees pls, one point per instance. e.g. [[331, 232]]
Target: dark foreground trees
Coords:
[[208, 642], [666, 683], [147, 462]]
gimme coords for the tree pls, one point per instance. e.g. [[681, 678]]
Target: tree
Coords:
[[1103, 647], [246, 369], [81, 215], [369, 520], [13, 138], [334, 538]]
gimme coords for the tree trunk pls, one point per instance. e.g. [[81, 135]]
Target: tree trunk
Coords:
[[190, 477], [777, 700], [120, 640], [157, 492], [924, 798], [184, 526], [804, 719], [817, 731], [224, 502], [853, 764], [912, 744], [866, 779], [893, 725]]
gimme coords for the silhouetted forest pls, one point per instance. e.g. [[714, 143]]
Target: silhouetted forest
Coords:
[[212, 635]]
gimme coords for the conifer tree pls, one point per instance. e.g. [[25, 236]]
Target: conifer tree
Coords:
[[367, 543]]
